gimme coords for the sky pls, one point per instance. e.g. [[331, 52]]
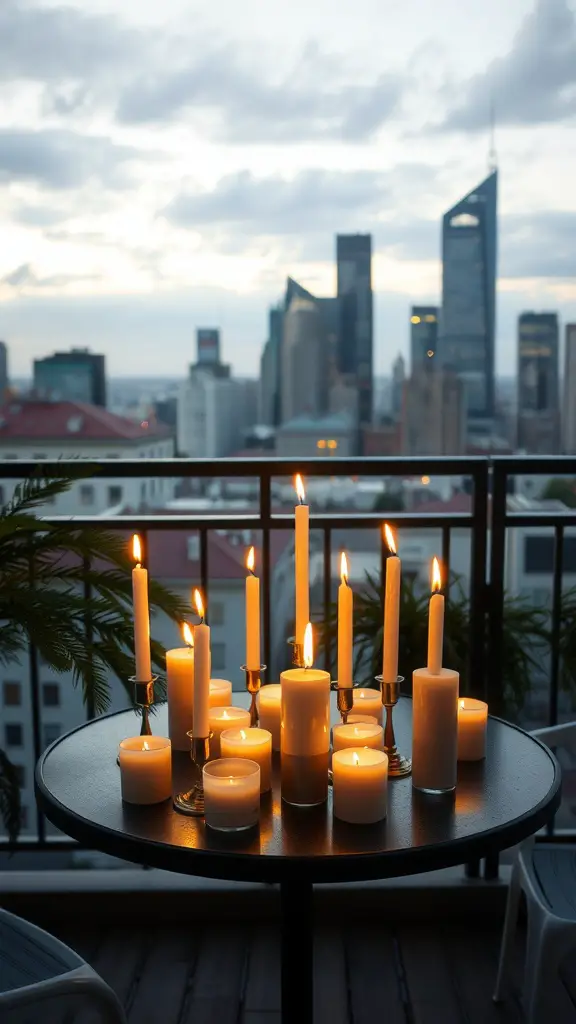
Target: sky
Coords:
[[166, 166]]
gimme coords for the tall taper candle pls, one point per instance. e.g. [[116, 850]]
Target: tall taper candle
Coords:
[[301, 561], [180, 691], [200, 723], [141, 615], [345, 628], [435, 622], [252, 615], [391, 611]]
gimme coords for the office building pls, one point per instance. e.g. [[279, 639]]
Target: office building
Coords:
[[423, 335], [270, 366], [467, 336], [304, 378], [433, 415], [538, 386], [355, 333], [569, 402], [75, 376], [398, 378], [309, 436], [3, 369], [207, 346], [210, 415]]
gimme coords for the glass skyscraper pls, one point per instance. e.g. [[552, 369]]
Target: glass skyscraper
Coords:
[[423, 335], [354, 271], [538, 384], [469, 241]]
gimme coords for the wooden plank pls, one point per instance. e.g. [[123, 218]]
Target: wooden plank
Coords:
[[263, 975], [217, 986], [118, 961], [330, 980], [474, 957], [427, 972], [165, 975], [375, 983]]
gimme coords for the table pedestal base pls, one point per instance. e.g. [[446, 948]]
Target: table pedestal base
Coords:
[[297, 924]]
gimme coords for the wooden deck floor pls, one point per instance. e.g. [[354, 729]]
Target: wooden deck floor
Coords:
[[410, 974]]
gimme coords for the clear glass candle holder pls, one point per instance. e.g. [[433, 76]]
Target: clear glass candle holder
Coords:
[[231, 794]]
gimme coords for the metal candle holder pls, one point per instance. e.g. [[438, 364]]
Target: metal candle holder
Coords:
[[253, 684], [344, 699], [192, 801], [398, 765], [297, 652], [144, 699]]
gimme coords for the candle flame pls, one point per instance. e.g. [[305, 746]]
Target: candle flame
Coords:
[[145, 746], [198, 603], [390, 539], [355, 758], [242, 734], [343, 568], [187, 634], [308, 646], [436, 576], [250, 560], [299, 485], [225, 714], [136, 548], [462, 705]]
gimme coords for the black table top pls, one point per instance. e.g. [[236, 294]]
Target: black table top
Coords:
[[497, 803]]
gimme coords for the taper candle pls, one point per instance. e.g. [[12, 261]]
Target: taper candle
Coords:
[[200, 724], [391, 611], [141, 615], [301, 561], [252, 614], [345, 626], [435, 622], [180, 691]]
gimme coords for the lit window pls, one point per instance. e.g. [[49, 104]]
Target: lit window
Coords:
[[332, 444], [321, 444], [430, 353], [414, 319], [425, 480], [430, 318]]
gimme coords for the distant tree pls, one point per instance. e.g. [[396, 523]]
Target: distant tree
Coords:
[[389, 503], [561, 489]]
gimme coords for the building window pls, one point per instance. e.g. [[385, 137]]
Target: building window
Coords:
[[51, 695], [52, 731], [86, 494], [217, 613], [20, 775], [193, 549], [219, 657], [114, 495], [12, 693], [13, 735]]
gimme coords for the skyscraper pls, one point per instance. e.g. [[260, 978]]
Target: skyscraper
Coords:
[[304, 378], [77, 376], [270, 366], [3, 369], [467, 337], [433, 415], [538, 397], [569, 403], [423, 335], [398, 378], [354, 273]]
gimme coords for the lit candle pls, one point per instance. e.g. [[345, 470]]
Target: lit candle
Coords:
[[270, 711], [358, 734], [256, 745], [220, 693], [345, 618], [360, 784], [221, 719], [145, 769], [301, 561], [368, 702], [180, 690], [391, 611], [231, 793], [141, 615], [252, 614], [362, 718], [472, 722], [200, 723], [435, 622], [305, 730]]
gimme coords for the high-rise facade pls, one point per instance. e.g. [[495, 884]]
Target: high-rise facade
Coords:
[[270, 367], [569, 402], [355, 333], [423, 335], [304, 378], [3, 368], [207, 346], [433, 415], [467, 336], [398, 378], [538, 386], [75, 376]]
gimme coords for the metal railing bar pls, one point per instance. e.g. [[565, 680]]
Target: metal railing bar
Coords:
[[556, 623], [327, 596], [496, 593], [478, 605], [204, 569], [265, 515], [278, 521]]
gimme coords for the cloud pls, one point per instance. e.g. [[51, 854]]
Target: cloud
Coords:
[[534, 83], [25, 277], [62, 159], [539, 244]]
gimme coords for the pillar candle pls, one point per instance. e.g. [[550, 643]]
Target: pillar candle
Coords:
[[200, 723], [269, 710], [472, 722], [391, 612], [360, 785], [231, 793], [435, 623], [255, 744], [141, 616], [220, 693], [435, 729], [301, 562], [221, 719], [368, 702], [252, 615], [358, 734], [305, 730], [345, 626], [180, 694], [145, 769]]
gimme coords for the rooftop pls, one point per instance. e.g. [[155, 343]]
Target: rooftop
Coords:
[[40, 420]]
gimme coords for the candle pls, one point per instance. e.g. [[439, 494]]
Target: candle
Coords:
[[301, 561], [145, 769], [345, 635], [360, 784], [358, 734], [368, 702], [141, 615], [362, 718], [252, 615], [221, 719], [472, 722], [256, 745], [180, 690], [231, 793], [220, 693], [391, 611], [270, 711], [435, 622], [305, 730], [200, 724]]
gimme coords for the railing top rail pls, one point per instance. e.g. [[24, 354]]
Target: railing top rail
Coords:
[[533, 465], [277, 521]]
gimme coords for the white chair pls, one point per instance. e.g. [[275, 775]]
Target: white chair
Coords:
[[39, 974], [546, 873]]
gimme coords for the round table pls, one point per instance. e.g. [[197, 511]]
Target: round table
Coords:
[[497, 803]]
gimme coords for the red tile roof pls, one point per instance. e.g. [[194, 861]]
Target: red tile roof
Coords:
[[27, 420], [167, 557]]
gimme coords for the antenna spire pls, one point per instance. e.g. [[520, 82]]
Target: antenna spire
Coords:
[[492, 159]]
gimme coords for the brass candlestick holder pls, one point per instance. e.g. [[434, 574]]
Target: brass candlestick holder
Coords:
[[144, 699], [297, 652], [253, 684], [192, 801], [398, 766], [344, 699]]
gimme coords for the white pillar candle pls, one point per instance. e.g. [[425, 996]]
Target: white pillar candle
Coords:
[[435, 623], [472, 723], [220, 693], [256, 745], [368, 702], [252, 615], [200, 723], [180, 691], [145, 769], [270, 711], [358, 734], [345, 626], [360, 785], [231, 793], [141, 616], [362, 718], [221, 719], [305, 730], [391, 611], [301, 561], [434, 729]]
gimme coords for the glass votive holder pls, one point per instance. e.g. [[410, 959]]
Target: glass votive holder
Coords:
[[231, 794], [220, 719], [270, 711], [360, 785], [368, 702], [358, 734], [220, 693], [145, 769], [472, 724]]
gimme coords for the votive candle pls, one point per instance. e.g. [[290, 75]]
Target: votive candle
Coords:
[[221, 719], [358, 734], [253, 743], [231, 793], [270, 711], [145, 769], [472, 723], [360, 785], [368, 702], [220, 693]]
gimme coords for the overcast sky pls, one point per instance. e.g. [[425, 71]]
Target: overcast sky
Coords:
[[166, 168]]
